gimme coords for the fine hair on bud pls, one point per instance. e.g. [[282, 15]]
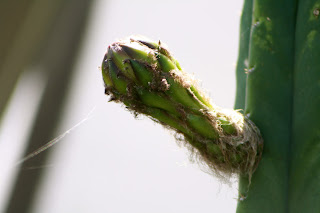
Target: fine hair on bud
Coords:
[[144, 76]]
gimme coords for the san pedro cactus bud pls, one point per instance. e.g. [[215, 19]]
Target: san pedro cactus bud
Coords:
[[144, 76]]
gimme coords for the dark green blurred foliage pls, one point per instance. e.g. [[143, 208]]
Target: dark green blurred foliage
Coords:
[[46, 34]]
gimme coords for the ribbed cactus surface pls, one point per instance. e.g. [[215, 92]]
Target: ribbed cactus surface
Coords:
[[143, 75], [282, 96]]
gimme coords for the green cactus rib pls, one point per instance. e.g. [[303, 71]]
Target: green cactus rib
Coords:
[[242, 65], [144, 76], [305, 158], [269, 103], [283, 99]]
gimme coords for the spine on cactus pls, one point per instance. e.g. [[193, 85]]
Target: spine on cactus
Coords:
[[143, 75]]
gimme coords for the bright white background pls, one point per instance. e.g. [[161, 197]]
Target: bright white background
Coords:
[[115, 163]]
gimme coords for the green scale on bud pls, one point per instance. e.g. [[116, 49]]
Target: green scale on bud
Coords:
[[144, 76]]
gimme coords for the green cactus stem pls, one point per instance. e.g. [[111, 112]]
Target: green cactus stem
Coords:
[[269, 101], [283, 98], [143, 75]]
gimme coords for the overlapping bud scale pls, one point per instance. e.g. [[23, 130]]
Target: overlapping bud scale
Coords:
[[144, 76]]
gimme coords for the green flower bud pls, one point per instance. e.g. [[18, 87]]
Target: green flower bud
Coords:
[[144, 76]]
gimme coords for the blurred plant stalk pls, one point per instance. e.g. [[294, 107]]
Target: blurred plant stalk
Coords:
[[45, 34]]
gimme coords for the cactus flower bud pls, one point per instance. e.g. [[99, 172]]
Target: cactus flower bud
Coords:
[[144, 76]]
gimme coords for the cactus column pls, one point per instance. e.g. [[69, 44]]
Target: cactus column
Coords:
[[305, 149], [269, 102], [283, 99]]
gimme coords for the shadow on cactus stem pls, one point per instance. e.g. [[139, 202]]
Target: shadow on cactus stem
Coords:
[[143, 75]]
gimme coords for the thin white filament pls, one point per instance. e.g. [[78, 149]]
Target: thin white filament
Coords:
[[53, 141]]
